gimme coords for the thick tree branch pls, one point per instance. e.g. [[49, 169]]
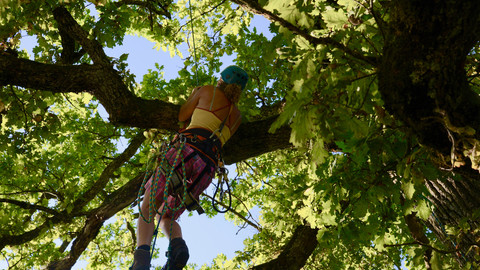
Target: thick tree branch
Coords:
[[253, 139], [296, 251], [69, 56], [124, 108], [18, 239], [48, 77]]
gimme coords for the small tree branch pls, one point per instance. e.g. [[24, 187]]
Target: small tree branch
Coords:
[[254, 7], [236, 213], [108, 172], [416, 243], [163, 11], [67, 24], [29, 206]]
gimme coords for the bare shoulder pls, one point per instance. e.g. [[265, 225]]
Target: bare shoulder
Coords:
[[206, 89], [206, 94]]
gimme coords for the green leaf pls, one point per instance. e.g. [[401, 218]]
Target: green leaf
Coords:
[[408, 189], [335, 19]]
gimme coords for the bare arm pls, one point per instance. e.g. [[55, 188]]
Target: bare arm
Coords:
[[188, 107]]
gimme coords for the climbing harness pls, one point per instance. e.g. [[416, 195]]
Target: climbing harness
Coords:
[[177, 185], [208, 146]]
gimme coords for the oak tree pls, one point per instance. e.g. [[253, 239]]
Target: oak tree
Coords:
[[359, 142]]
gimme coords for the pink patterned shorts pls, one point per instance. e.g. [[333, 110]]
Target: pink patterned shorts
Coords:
[[198, 175]]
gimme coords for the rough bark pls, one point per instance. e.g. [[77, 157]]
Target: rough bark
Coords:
[[423, 82], [422, 77], [296, 252], [455, 203]]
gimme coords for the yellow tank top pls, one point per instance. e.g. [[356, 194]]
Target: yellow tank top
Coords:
[[207, 119], [203, 118]]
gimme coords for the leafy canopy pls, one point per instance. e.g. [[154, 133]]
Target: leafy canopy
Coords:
[[351, 172]]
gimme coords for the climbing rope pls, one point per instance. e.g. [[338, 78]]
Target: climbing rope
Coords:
[[160, 158], [152, 208], [193, 40]]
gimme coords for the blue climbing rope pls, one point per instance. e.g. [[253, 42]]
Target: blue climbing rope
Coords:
[[152, 208], [193, 40]]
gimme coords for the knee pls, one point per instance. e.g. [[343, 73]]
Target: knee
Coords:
[[145, 207], [165, 220]]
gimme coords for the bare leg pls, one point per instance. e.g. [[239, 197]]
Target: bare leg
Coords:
[[178, 251], [166, 224], [144, 229]]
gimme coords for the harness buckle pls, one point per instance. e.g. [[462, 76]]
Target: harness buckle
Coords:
[[183, 138]]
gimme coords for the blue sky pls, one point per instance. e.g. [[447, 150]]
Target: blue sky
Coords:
[[205, 237]]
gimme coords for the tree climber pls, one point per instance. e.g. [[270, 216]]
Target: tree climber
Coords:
[[214, 117]]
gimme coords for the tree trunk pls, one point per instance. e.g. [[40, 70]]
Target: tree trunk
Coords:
[[423, 82], [455, 204]]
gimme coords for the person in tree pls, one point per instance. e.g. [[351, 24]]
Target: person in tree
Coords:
[[213, 118]]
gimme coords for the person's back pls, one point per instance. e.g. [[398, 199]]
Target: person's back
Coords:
[[211, 110]]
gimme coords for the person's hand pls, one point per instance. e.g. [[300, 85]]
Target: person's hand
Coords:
[[195, 89]]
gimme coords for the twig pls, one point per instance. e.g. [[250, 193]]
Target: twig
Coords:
[[200, 15], [132, 232], [29, 206], [248, 211], [236, 213], [255, 7], [6, 259], [22, 107], [423, 245]]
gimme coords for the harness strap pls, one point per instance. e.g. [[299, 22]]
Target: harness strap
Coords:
[[222, 125], [195, 182], [213, 98], [235, 124], [220, 128], [202, 141]]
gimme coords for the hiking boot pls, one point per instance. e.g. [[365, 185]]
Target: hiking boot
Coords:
[[177, 255], [141, 260]]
